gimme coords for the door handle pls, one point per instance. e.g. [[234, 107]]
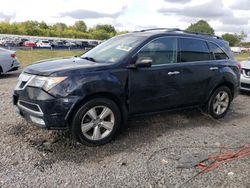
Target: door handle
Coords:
[[213, 68], [173, 73]]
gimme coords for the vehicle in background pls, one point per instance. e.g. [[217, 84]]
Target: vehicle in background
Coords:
[[138, 73], [244, 49], [245, 75], [43, 44], [93, 43], [29, 44], [23, 41], [8, 61], [236, 50], [70, 44], [57, 44]]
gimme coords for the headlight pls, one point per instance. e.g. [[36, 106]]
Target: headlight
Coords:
[[46, 83]]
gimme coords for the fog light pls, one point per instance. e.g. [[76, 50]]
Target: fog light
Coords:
[[37, 120]]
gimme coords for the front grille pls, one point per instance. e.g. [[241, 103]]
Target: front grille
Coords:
[[245, 85]]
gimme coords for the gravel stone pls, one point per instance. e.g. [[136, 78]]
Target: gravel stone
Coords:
[[146, 154]]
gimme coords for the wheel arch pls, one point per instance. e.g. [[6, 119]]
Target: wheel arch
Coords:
[[225, 83], [120, 104]]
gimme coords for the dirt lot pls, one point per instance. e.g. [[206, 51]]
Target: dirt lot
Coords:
[[145, 155]]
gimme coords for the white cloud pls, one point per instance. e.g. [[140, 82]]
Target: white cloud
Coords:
[[223, 15]]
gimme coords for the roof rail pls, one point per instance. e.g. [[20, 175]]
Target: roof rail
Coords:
[[180, 30], [155, 29]]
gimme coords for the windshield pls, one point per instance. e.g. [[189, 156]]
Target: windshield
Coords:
[[114, 49]]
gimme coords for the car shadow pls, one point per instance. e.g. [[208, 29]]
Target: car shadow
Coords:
[[10, 75], [139, 132], [246, 93]]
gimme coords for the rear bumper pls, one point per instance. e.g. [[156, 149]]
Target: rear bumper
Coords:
[[15, 66], [48, 112]]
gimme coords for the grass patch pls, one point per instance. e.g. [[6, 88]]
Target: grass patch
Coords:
[[242, 57], [27, 57]]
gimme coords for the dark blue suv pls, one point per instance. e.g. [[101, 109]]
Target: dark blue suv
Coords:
[[137, 73]]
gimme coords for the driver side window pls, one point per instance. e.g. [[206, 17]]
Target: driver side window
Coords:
[[161, 51]]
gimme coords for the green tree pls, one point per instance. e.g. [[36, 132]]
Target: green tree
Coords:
[[78, 30], [80, 26], [233, 39], [106, 27], [43, 25], [60, 27], [99, 34], [201, 27], [242, 36]]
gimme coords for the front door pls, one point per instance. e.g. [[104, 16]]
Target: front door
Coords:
[[157, 87]]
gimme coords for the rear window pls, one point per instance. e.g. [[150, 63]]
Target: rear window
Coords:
[[193, 50], [218, 53]]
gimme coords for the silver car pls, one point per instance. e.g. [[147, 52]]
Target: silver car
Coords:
[[245, 75], [8, 61]]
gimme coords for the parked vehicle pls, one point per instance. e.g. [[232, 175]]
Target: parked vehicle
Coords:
[[245, 75], [58, 44], [236, 50], [244, 49], [43, 44], [93, 43], [8, 61], [133, 74], [29, 44], [70, 44]]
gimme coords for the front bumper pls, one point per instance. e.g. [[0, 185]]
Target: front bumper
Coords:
[[244, 83], [41, 109]]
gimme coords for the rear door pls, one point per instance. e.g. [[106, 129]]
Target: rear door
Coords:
[[200, 72]]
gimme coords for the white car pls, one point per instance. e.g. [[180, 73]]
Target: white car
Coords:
[[245, 75], [8, 61], [43, 44]]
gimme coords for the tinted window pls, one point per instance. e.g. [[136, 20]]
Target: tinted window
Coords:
[[161, 51], [218, 52], [193, 50]]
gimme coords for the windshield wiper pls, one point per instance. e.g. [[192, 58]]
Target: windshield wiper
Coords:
[[89, 58]]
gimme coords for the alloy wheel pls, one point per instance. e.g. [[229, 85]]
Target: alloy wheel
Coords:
[[221, 102], [97, 123]]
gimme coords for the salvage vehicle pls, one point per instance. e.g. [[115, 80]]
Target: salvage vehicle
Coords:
[[138, 73], [8, 61], [245, 75]]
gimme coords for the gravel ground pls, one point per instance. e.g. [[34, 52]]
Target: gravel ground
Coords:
[[144, 155]]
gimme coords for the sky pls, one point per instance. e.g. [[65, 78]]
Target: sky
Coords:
[[223, 15]]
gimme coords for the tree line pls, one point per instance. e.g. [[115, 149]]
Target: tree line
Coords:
[[78, 30], [234, 39], [101, 32]]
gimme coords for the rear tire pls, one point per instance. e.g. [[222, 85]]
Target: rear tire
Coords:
[[97, 122], [219, 102]]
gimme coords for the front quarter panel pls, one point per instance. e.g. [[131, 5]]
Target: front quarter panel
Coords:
[[92, 83]]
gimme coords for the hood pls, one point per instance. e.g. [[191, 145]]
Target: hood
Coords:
[[50, 66], [245, 64]]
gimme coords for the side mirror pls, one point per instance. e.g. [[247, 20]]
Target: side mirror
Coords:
[[143, 62]]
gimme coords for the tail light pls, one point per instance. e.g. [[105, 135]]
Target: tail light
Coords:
[[239, 66], [13, 55]]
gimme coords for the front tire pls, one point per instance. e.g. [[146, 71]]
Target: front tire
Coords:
[[97, 122], [219, 102]]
